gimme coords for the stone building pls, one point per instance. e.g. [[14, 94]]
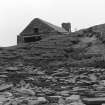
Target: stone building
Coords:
[[39, 29]]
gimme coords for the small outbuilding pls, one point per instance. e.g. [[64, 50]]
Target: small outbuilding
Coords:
[[39, 29]]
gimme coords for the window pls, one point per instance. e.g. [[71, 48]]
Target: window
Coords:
[[32, 39], [36, 30]]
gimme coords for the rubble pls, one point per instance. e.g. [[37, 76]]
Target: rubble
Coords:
[[38, 87]]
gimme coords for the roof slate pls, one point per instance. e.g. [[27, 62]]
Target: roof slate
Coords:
[[57, 28]]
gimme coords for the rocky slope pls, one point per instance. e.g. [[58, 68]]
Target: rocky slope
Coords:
[[49, 71], [82, 48]]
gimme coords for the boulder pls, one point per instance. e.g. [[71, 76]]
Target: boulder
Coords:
[[12, 69], [73, 98], [5, 87], [24, 91]]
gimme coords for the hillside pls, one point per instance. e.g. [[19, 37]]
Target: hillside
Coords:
[[82, 48], [54, 70]]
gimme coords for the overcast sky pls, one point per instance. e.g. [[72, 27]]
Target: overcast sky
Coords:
[[16, 14]]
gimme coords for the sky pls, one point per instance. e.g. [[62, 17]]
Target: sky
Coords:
[[15, 15]]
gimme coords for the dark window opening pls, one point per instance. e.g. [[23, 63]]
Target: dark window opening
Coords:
[[31, 39], [36, 30]]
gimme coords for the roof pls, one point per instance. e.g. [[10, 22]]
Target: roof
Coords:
[[57, 28], [34, 22]]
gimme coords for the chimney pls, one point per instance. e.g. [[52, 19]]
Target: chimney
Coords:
[[67, 26]]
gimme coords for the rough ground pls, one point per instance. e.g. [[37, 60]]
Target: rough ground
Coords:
[[54, 69]]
